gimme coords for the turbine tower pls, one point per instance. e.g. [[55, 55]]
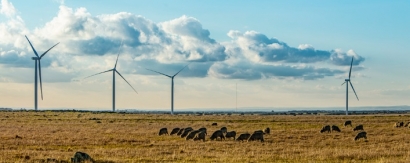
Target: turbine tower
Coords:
[[172, 86], [37, 60], [114, 70], [348, 81]]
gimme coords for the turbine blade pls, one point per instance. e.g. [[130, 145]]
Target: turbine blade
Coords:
[[180, 71], [41, 83], [48, 50], [118, 55], [35, 52], [126, 81], [351, 64], [99, 73], [354, 90], [343, 83], [159, 73]]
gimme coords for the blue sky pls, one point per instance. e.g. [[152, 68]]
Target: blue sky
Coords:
[[280, 53]]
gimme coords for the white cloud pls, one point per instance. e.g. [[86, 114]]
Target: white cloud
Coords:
[[7, 8], [257, 47], [89, 44]]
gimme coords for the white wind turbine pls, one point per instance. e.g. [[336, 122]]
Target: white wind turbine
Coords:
[[114, 70], [348, 81], [37, 59], [172, 86]]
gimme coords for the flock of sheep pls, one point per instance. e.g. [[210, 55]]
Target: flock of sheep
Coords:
[[189, 133], [333, 128]]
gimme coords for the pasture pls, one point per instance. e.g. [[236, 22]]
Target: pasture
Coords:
[[49, 136]]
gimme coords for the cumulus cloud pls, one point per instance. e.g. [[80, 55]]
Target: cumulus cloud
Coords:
[[90, 43], [258, 47], [252, 71]]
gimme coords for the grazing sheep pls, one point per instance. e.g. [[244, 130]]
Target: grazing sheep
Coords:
[[267, 130], [256, 136], [361, 135], [243, 137], [175, 131], [180, 131], [200, 136], [259, 131], [358, 127], [335, 128], [325, 128], [204, 130], [19, 137], [191, 134], [216, 134], [231, 134], [214, 124], [407, 124], [163, 131], [186, 132], [348, 122], [224, 129], [81, 157], [399, 124]]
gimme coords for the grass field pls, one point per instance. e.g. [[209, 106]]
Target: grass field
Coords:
[[117, 137]]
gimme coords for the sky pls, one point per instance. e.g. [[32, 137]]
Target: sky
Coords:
[[274, 54]]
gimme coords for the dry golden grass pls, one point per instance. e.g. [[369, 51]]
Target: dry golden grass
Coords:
[[117, 137]]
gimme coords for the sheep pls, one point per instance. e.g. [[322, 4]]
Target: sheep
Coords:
[[192, 134], [325, 128], [163, 131], [180, 131], [231, 134], [407, 124], [259, 131], [81, 157], [224, 129], [243, 137], [267, 130], [216, 134], [256, 136], [175, 131], [361, 135], [200, 136], [186, 132], [335, 128], [348, 122], [399, 124], [214, 124], [204, 130], [358, 127]]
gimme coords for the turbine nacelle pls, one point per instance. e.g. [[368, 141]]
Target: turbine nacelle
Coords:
[[346, 80], [35, 58]]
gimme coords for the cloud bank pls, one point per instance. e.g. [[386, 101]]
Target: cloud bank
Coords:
[[90, 43]]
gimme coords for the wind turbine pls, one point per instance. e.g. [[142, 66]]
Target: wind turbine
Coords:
[[114, 70], [348, 81], [37, 59], [172, 86]]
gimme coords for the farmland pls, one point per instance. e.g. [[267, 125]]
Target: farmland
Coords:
[[28, 136]]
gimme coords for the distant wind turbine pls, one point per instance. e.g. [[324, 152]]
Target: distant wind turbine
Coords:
[[37, 59], [114, 70], [172, 86], [348, 81]]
